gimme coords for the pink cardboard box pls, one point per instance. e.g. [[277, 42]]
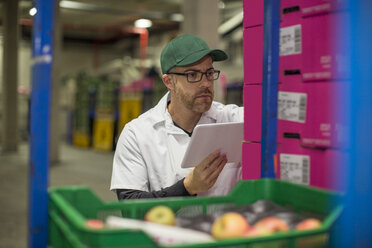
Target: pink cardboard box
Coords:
[[323, 57], [315, 7], [290, 12], [251, 161], [291, 108], [253, 13], [290, 60], [252, 101], [308, 166], [325, 126], [310, 112], [253, 54]]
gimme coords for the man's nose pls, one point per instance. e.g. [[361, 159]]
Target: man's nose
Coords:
[[205, 82]]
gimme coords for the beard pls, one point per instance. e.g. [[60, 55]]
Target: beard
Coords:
[[194, 102]]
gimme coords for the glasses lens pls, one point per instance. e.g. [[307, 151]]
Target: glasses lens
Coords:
[[216, 74], [210, 74], [194, 76]]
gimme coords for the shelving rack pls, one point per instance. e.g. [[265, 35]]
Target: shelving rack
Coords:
[[270, 86], [42, 56], [356, 173]]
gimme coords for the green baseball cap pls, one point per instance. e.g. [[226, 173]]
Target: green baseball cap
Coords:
[[186, 50]]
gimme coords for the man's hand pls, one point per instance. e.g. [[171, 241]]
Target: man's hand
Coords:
[[204, 175]]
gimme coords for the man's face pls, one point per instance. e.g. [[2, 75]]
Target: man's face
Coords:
[[198, 96]]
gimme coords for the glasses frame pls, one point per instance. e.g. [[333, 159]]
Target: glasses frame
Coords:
[[203, 73]]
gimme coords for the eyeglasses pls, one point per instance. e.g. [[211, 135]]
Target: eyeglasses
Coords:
[[196, 76]]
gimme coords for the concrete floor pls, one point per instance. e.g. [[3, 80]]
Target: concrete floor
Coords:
[[77, 167]]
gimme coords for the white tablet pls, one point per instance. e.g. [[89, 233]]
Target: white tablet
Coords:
[[207, 138]]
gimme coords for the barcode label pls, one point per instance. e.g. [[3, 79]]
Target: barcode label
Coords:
[[295, 168], [292, 106], [290, 40], [297, 39], [302, 109], [305, 170]]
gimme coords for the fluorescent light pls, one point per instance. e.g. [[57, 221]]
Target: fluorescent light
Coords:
[[143, 23], [74, 5], [231, 23], [33, 11], [221, 5]]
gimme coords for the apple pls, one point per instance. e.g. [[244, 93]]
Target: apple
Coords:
[[308, 224], [256, 232], [271, 224], [94, 224], [162, 215], [229, 225], [312, 241]]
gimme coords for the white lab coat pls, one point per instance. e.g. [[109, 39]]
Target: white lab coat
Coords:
[[150, 150]]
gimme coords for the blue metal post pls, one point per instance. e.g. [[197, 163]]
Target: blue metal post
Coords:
[[270, 86], [356, 222], [42, 51]]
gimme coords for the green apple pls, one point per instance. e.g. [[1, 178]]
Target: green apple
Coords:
[[162, 215]]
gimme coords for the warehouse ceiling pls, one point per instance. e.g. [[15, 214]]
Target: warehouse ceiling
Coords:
[[110, 20]]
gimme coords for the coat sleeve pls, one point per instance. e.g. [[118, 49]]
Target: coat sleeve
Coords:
[[178, 189], [129, 169], [230, 113]]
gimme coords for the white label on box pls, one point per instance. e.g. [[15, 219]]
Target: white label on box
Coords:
[[292, 106], [295, 168], [290, 40]]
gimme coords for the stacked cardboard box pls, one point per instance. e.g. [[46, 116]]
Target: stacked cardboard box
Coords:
[[311, 128], [252, 89], [312, 73], [105, 115], [84, 105]]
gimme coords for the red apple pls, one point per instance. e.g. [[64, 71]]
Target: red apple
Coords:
[[94, 224], [162, 215], [318, 240], [272, 224], [308, 224], [256, 232], [229, 225]]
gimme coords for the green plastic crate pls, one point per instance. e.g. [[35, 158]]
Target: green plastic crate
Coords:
[[71, 206]]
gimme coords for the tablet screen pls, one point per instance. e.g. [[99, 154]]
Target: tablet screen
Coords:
[[207, 138]]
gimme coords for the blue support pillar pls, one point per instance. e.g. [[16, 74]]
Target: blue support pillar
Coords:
[[42, 55], [356, 227], [270, 86]]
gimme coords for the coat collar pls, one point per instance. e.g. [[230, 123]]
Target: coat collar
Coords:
[[161, 113]]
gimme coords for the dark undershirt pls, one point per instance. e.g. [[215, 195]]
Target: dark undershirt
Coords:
[[177, 189], [188, 133]]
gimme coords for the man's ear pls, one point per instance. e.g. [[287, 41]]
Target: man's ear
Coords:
[[167, 80]]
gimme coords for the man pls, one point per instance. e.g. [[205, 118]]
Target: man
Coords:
[[150, 148]]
